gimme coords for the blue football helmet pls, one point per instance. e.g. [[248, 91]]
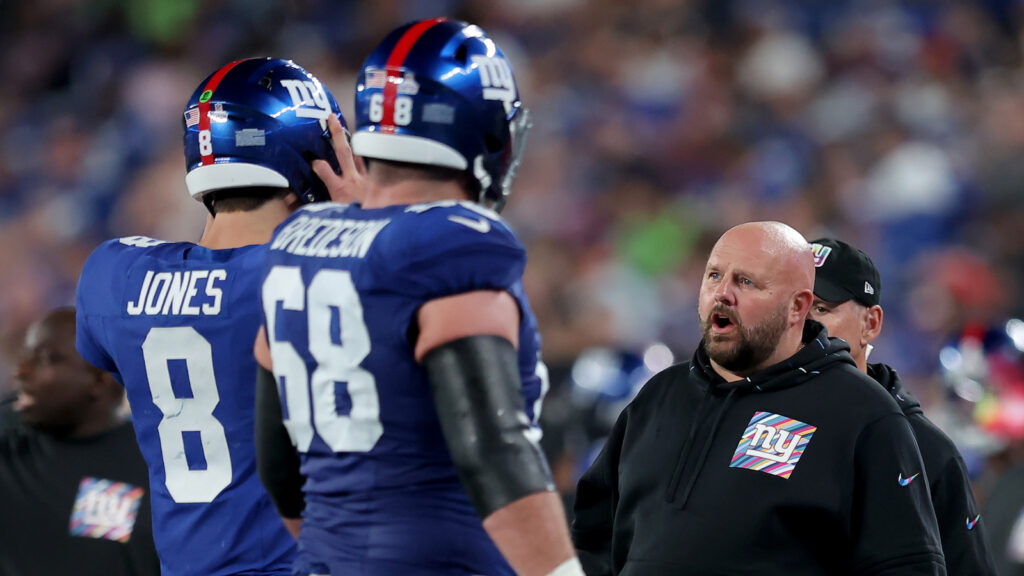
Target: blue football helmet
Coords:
[[259, 122], [605, 380], [440, 92]]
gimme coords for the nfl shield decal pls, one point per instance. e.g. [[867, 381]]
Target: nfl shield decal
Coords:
[[773, 444], [105, 509]]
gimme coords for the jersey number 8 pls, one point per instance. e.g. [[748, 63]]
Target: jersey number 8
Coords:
[[187, 415]]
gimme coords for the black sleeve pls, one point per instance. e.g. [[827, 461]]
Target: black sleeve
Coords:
[[597, 495], [276, 458], [892, 522], [479, 401], [964, 543]]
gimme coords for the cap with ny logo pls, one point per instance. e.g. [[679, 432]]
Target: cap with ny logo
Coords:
[[843, 273]]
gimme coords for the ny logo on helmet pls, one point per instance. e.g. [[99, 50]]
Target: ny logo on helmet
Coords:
[[496, 79], [309, 98]]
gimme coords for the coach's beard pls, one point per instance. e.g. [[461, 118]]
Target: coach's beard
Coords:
[[755, 344]]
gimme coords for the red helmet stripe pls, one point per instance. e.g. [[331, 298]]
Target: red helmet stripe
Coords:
[[394, 64], [204, 110]]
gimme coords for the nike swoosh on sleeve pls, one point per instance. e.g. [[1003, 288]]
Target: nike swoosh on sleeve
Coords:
[[482, 225], [906, 481]]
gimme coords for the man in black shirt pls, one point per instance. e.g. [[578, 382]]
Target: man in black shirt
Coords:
[[767, 453], [74, 492], [847, 291]]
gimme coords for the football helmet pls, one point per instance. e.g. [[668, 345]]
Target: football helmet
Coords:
[[984, 366], [604, 380], [440, 92], [258, 122]]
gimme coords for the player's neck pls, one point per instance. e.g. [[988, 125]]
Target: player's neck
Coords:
[[413, 191], [236, 229]]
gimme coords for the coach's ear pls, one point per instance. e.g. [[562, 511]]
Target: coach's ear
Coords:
[[871, 327], [800, 307]]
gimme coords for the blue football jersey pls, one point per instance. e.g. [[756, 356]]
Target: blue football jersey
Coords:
[[175, 323], [340, 295]]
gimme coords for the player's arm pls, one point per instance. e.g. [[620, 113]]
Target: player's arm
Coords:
[[468, 344], [89, 335], [276, 459]]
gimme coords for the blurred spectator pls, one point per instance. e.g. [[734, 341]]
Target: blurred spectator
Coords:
[[983, 366], [73, 487]]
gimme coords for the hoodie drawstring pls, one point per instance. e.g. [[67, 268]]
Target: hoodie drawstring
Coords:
[[673, 484], [707, 448]]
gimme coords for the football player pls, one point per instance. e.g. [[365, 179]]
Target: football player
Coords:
[[175, 321], [405, 358]]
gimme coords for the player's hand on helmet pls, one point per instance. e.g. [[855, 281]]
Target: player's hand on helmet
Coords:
[[351, 184]]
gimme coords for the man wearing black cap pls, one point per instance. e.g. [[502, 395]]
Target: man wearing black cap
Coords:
[[847, 288]]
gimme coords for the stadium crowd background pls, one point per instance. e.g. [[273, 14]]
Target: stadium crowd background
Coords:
[[897, 126]]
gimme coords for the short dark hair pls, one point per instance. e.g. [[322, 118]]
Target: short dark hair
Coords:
[[391, 172], [241, 199]]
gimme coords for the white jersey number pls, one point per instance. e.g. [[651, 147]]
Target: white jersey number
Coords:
[[182, 415], [402, 110], [360, 430]]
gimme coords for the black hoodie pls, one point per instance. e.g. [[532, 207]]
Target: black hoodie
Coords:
[[804, 468], [964, 543]]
